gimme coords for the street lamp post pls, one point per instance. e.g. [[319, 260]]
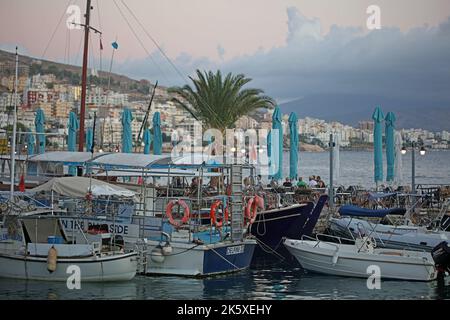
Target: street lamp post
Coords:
[[413, 163]]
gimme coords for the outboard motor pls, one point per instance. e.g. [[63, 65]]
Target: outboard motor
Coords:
[[441, 257]]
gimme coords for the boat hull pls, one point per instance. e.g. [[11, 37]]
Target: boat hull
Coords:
[[327, 260], [92, 269], [191, 260], [400, 237], [270, 227]]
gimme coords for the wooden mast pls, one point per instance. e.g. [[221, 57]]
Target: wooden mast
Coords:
[[84, 77]]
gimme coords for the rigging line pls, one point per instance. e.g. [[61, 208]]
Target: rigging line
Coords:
[[65, 50], [169, 60], [79, 50], [99, 16], [140, 41], [155, 42], [100, 36], [56, 29], [68, 49]]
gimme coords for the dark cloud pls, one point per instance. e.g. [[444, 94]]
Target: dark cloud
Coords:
[[387, 62]]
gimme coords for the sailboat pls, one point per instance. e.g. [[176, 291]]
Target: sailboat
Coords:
[[35, 245]]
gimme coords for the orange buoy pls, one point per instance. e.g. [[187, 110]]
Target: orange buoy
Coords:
[[52, 258]]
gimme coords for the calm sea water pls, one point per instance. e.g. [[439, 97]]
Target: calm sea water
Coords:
[[277, 281], [356, 167]]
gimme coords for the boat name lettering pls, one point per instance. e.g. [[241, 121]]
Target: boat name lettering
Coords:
[[235, 250], [119, 229]]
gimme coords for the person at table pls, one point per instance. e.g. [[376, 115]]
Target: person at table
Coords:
[[273, 183], [320, 182], [259, 184], [312, 182], [287, 183], [301, 184]]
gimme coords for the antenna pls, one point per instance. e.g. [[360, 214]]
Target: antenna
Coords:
[[13, 142]]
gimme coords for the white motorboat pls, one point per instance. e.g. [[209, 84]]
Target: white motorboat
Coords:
[[408, 237], [36, 248], [359, 259], [390, 236]]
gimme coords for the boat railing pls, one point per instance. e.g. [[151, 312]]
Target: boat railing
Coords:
[[359, 224], [318, 235]]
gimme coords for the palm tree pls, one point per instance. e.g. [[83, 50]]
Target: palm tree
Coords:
[[218, 102]]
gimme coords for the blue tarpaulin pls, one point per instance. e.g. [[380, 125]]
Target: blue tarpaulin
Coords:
[[127, 135], [72, 139], [390, 146], [277, 125], [157, 134], [354, 211], [39, 122], [378, 118], [293, 152]]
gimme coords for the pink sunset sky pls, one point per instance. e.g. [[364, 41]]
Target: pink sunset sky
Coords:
[[314, 54], [214, 29]]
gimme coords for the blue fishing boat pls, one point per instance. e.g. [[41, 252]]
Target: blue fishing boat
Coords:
[[293, 221]]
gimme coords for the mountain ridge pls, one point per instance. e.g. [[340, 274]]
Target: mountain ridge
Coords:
[[351, 108]]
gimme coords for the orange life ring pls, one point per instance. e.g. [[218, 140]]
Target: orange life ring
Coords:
[[186, 215], [252, 208], [212, 214]]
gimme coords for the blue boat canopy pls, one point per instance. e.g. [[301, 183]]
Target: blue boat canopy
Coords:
[[354, 211]]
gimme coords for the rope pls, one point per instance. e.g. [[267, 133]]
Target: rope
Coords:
[[139, 39], [175, 254], [232, 264], [263, 221], [56, 29], [168, 59], [270, 250]]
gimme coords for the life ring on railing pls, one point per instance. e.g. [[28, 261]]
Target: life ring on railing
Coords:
[[186, 215], [251, 210], [212, 214]]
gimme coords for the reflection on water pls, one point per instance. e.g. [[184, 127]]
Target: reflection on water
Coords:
[[278, 282]]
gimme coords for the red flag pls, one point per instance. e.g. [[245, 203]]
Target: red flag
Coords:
[[22, 184]]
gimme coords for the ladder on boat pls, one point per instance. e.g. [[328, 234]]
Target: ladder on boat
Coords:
[[141, 248], [237, 217]]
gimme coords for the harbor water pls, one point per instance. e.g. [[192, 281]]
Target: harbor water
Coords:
[[277, 280], [356, 167]]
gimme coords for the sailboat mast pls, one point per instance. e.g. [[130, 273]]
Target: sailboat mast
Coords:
[[84, 76], [13, 142]]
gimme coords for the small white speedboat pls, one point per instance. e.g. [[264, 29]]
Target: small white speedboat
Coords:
[[407, 237], [36, 248], [357, 260]]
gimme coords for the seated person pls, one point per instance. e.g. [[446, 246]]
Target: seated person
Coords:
[[301, 183], [287, 183], [320, 182], [312, 182], [273, 183], [259, 184]]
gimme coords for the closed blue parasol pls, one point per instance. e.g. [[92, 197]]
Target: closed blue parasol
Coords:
[[390, 146], [378, 118], [293, 153], [72, 138], [147, 141], [89, 139], [278, 145], [39, 122], [157, 135], [127, 135], [31, 141]]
